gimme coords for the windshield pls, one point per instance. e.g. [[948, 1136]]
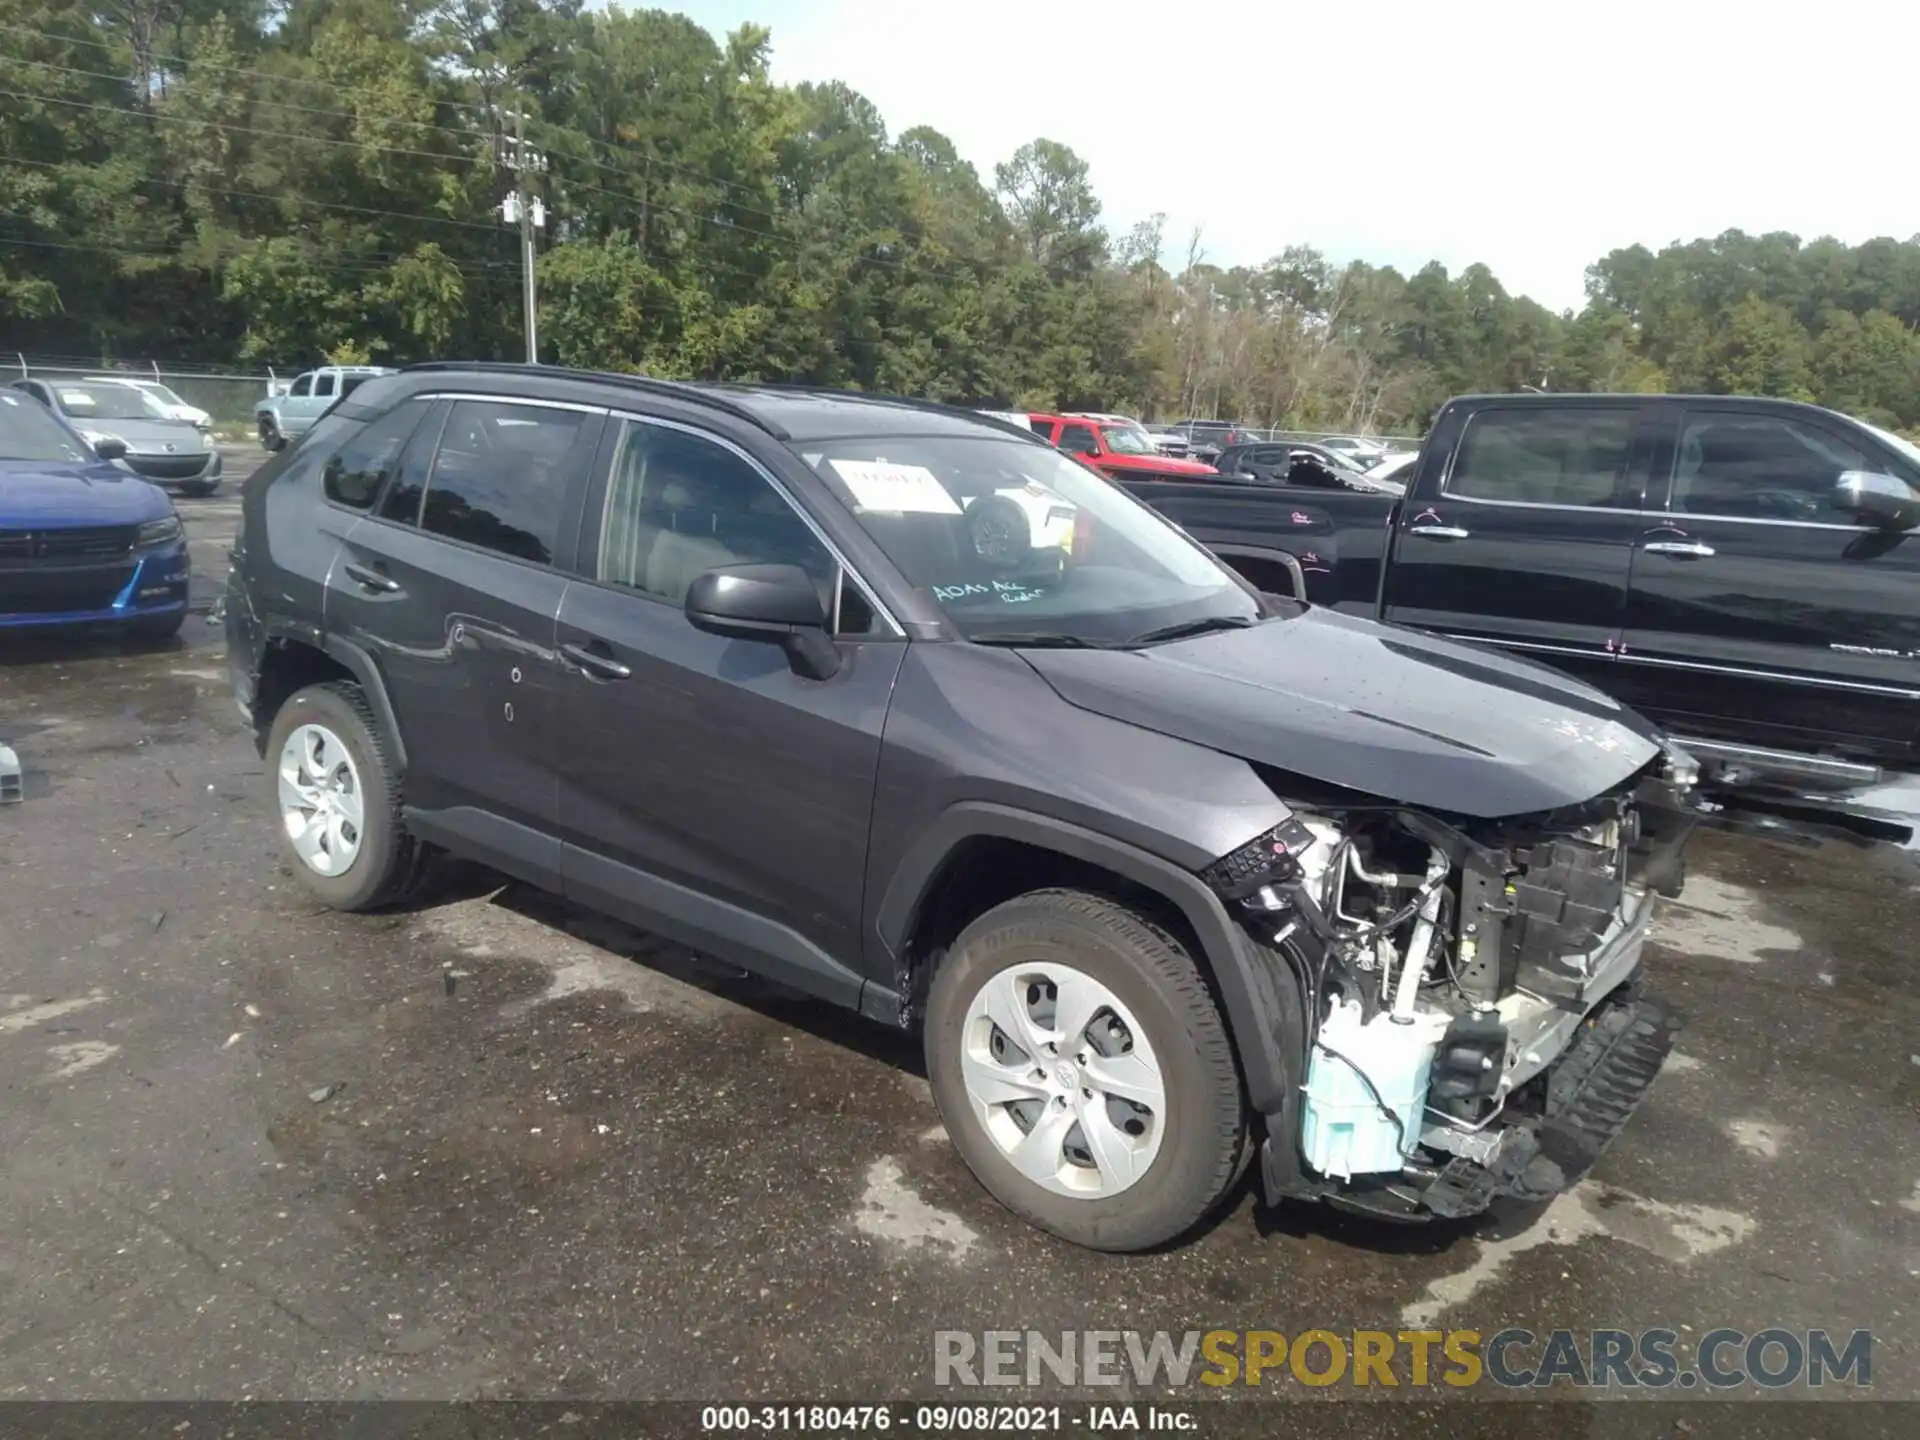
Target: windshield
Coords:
[[161, 393], [1128, 440], [106, 402], [28, 432], [1905, 448], [1006, 536]]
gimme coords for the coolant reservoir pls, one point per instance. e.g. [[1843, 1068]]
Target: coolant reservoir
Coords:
[[1343, 1132]]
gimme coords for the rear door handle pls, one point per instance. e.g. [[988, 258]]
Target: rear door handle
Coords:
[[372, 579], [1439, 532], [594, 663], [1679, 549]]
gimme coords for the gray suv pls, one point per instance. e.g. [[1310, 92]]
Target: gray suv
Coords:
[[903, 709]]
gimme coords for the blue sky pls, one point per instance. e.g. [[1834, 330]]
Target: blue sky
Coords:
[[1533, 136]]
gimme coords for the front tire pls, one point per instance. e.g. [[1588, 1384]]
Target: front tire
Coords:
[[337, 798], [1083, 1071], [270, 437]]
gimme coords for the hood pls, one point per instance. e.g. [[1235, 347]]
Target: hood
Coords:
[[1432, 723], [38, 494], [1155, 464], [150, 437]]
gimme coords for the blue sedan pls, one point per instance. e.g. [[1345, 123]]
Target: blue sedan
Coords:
[[83, 541]]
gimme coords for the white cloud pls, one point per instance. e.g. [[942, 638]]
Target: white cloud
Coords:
[[1534, 137]]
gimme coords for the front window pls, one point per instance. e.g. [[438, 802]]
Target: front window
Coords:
[[162, 394], [1008, 537], [106, 402], [28, 432], [1129, 440]]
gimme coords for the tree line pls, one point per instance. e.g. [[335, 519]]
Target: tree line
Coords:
[[278, 181]]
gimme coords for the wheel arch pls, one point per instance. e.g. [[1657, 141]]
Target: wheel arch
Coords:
[[292, 661], [918, 912]]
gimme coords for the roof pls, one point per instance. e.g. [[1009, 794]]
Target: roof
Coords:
[[788, 412], [1531, 398]]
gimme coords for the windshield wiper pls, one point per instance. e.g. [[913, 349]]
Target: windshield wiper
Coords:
[[1190, 627], [1040, 640]]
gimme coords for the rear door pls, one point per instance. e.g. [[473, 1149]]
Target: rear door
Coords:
[[450, 584], [1759, 611], [1528, 542]]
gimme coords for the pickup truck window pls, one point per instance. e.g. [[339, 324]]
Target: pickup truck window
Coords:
[[302, 387], [1759, 467], [1078, 440], [1545, 457], [323, 384]]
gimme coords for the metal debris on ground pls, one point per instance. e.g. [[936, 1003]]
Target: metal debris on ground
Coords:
[[326, 1092], [10, 792]]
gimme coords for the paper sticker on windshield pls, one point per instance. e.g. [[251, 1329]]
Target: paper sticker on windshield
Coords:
[[75, 397], [897, 489]]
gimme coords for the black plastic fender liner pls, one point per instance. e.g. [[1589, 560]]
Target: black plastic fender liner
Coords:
[[1259, 995]]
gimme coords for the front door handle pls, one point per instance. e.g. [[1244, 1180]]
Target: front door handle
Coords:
[[1679, 549], [372, 579], [1439, 532], [594, 663]]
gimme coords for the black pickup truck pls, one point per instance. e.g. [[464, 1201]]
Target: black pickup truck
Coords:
[[1745, 572]]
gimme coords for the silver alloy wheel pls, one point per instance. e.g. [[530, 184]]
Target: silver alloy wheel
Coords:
[[1062, 1077], [321, 801]]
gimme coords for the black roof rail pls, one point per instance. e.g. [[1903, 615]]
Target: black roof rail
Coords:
[[678, 390], [875, 397]]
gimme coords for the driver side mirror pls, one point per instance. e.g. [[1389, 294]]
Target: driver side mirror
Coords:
[[110, 447], [1877, 499], [774, 603]]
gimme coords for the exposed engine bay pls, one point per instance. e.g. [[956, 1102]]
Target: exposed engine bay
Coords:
[[1475, 1012]]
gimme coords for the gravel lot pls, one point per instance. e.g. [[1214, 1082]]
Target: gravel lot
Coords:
[[588, 1166]]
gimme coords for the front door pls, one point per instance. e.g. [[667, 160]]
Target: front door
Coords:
[[1759, 611], [1530, 542], [706, 790], [450, 586]]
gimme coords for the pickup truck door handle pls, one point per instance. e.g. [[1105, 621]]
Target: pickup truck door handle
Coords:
[[604, 667], [1439, 532], [1679, 549], [372, 579]]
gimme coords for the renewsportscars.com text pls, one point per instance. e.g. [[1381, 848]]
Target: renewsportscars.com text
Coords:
[[1773, 1359]]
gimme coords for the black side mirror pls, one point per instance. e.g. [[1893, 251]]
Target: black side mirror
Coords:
[[110, 447], [776, 603], [1876, 499]]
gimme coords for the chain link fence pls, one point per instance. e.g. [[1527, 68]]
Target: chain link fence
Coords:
[[228, 397]]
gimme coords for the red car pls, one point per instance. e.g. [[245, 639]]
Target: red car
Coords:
[[1113, 448]]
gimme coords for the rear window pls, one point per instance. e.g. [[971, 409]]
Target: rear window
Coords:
[[1544, 457]]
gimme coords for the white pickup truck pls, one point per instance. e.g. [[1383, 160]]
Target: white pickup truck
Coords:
[[289, 414]]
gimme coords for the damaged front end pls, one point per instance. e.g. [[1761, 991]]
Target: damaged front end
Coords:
[[1477, 1023]]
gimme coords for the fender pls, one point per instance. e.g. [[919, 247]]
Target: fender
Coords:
[[368, 674], [360, 664], [1258, 1017]]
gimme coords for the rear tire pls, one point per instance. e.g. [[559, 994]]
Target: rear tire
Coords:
[[1127, 1011], [336, 796]]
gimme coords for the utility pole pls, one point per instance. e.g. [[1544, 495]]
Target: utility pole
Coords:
[[529, 213]]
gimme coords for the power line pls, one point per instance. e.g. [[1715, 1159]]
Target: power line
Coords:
[[174, 257], [281, 104], [222, 125], [283, 198]]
